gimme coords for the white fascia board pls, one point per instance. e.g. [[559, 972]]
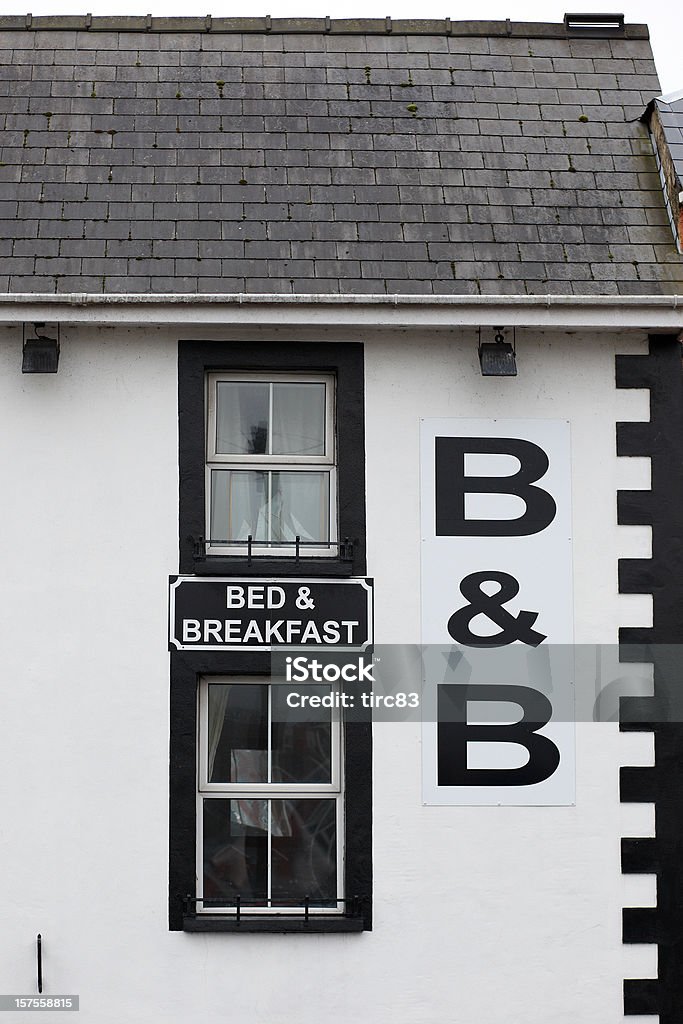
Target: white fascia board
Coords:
[[652, 313]]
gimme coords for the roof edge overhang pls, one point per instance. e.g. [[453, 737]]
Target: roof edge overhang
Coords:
[[602, 312]]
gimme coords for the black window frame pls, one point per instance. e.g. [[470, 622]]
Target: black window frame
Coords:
[[195, 360], [345, 361]]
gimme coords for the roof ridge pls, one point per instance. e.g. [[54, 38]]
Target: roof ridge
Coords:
[[671, 97], [323, 25]]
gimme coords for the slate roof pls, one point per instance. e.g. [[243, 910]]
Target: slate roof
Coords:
[[671, 116], [191, 155]]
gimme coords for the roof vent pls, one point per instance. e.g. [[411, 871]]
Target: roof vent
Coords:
[[594, 26]]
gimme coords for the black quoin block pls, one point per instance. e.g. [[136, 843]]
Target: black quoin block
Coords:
[[662, 508]]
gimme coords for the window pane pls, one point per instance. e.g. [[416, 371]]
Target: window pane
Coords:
[[304, 850], [235, 851], [300, 506], [302, 750], [239, 505], [298, 419], [242, 418], [238, 733]]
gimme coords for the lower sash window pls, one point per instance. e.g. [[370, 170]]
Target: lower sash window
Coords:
[[269, 802]]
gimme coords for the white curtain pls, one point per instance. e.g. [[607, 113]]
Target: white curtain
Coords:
[[218, 702], [239, 502], [298, 426], [242, 418], [299, 506]]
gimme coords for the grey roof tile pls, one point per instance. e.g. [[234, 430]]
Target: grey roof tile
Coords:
[[285, 162], [31, 283]]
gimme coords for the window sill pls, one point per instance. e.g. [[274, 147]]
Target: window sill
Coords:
[[280, 923]]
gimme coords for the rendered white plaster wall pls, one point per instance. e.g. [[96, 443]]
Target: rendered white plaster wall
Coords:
[[482, 915], [525, 902]]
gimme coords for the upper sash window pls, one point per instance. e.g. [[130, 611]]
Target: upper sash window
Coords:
[[271, 464]]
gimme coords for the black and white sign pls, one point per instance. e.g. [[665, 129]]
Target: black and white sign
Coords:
[[227, 614], [497, 578]]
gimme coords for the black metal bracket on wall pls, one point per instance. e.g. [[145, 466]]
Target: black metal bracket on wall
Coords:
[[660, 439]]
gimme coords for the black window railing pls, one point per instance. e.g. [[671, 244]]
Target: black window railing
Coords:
[[254, 548], [306, 907]]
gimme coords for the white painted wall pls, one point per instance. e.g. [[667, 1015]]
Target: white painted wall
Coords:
[[524, 903], [482, 915]]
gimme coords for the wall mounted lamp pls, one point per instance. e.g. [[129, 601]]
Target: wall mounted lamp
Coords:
[[497, 358], [40, 354]]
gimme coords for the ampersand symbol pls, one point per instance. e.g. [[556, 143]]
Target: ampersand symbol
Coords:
[[491, 605], [304, 600]]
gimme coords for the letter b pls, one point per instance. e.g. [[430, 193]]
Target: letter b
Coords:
[[234, 597], [452, 485], [454, 733]]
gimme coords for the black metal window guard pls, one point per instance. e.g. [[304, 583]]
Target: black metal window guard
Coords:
[[305, 912], [303, 905], [344, 547]]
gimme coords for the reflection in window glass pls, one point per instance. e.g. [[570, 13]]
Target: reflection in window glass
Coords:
[[235, 850], [242, 418], [269, 798], [238, 733], [237, 747], [298, 837], [301, 750], [304, 850]]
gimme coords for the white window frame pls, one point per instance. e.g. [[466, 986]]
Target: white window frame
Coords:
[[275, 790], [302, 463]]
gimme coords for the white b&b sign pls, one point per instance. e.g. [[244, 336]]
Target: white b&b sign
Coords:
[[497, 591]]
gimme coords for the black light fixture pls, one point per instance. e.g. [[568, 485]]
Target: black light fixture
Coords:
[[40, 354], [497, 357]]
